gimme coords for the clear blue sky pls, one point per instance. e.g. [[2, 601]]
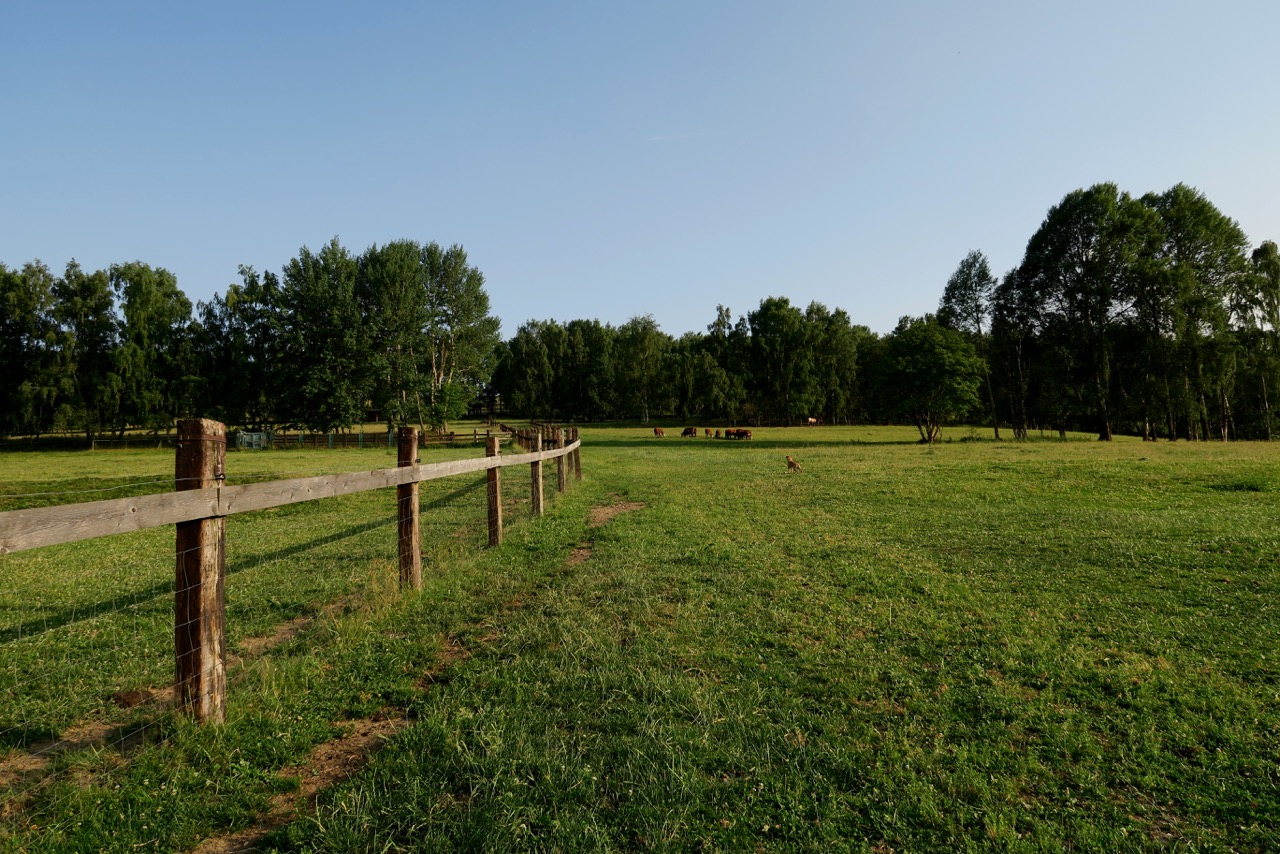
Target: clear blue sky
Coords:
[[606, 160]]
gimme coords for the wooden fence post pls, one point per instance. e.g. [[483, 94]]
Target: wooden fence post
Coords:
[[535, 468], [577, 456], [561, 481], [410, 524], [200, 609], [492, 449]]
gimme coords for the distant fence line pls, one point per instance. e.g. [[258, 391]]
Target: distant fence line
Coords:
[[364, 439], [277, 439], [199, 507]]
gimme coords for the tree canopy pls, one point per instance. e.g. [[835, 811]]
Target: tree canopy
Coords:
[[1149, 315]]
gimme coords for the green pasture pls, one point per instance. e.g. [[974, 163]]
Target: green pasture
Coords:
[[1030, 646]]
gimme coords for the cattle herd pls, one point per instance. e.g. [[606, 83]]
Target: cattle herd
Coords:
[[692, 432]]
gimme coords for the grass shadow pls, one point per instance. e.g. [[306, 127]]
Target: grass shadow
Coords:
[[62, 617]]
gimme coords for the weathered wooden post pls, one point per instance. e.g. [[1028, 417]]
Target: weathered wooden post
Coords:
[[577, 456], [535, 468], [407, 502], [495, 494], [561, 481], [200, 608]]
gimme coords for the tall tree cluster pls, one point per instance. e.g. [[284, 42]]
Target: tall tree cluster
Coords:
[[1145, 315], [777, 364], [402, 331]]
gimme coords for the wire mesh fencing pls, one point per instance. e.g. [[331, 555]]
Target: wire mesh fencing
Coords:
[[88, 629]]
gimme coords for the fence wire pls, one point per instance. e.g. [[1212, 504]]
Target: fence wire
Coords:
[[87, 628], [86, 654]]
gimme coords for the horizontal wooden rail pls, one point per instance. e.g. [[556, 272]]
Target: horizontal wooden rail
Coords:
[[48, 526]]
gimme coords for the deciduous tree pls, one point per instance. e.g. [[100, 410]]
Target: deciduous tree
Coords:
[[323, 354], [1084, 265], [155, 357], [931, 374], [29, 384], [460, 332], [89, 335], [966, 306]]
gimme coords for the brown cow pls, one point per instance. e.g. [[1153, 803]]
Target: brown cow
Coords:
[[709, 432], [659, 433]]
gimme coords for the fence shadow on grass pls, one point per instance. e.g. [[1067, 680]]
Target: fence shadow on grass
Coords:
[[61, 617]]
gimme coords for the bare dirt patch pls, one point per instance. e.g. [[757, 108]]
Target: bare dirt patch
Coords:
[[329, 764], [599, 517], [36, 758], [332, 762], [604, 514], [452, 653], [285, 632]]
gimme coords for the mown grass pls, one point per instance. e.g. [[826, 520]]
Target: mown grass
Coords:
[[975, 646]]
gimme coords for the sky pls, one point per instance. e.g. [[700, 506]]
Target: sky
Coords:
[[612, 160]]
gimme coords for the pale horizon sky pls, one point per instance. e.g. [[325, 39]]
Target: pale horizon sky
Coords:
[[612, 160]]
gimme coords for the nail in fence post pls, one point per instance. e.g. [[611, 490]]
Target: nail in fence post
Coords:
[[410, 524], [561, 482], [200, 611], [495, 494], [535, 469]]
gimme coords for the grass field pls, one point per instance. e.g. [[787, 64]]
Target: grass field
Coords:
[[976, 646]]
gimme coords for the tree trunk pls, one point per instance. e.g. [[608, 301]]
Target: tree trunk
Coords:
[[995, 416], [1225, 406], [1266, 406], [1204, 418]]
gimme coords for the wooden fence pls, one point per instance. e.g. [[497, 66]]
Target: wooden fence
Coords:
[[199, 507], [278, 439], [283, 440]]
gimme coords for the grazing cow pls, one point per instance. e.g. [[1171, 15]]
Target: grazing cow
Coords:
[[792, 465], [659, 433], [737, 433], [689, 431], [811, 422], [717, 434], [709, 432]]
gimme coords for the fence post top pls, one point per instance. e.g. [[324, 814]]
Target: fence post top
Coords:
[[197, 427]]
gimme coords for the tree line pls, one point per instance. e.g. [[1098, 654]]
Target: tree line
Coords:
[[1146, 315], [778, 364], [401, 331]]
